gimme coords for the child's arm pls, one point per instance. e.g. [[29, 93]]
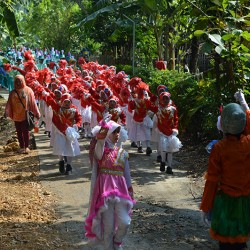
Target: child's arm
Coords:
[[208, 196], [99, 149], [239, 96], [101, 136], [127, 177]]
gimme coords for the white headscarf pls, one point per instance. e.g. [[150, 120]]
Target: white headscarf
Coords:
[[111, 125]]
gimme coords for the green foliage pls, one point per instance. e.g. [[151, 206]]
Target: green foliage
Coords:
[[51, 21], [226, 31], [7, 17], [126, 68]]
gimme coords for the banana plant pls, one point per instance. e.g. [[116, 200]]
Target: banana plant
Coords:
[[7, 17]]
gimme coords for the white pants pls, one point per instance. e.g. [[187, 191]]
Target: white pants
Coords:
[[115, 216]]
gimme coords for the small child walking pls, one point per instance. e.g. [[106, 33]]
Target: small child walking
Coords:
[[111, 195]]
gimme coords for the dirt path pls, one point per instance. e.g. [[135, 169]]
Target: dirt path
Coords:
[[166, 215]]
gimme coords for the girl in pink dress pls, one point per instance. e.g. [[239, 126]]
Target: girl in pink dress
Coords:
[[111, 196]]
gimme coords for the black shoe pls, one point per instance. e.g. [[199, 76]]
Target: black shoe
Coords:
[[65, 158], [61, 167], [42, 124], [162, 167], [169, 170], [133, 145], [68, 169], [158, 158], [148, 151], [140, 150]]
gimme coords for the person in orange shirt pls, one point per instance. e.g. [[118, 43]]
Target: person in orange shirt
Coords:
[[21, 98], [226, 197]]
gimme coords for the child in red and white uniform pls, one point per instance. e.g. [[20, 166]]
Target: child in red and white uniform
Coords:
[[155, 132], [140, 129], [118, 116], [65, 116], [167, 126]]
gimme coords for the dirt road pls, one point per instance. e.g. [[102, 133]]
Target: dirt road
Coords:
[[166, 215]]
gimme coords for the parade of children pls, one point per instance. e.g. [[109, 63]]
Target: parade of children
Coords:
[[75, 100]]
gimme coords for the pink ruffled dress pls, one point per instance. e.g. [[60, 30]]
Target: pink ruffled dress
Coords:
[[110, 185]]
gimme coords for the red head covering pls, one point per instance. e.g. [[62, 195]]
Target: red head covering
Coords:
[[29, 65], [164, 94], [62, 63], [114, 98], [28, 56], [161, 87], [52, 65], [81, 60], [19, 82], [66, 96]]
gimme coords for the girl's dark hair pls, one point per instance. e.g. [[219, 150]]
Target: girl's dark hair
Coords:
[[117, 130]]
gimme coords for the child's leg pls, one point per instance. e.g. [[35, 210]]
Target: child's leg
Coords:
[[68, 166], [87, 129], [170, 159], [158, 152], [148, 143], [148, 150], [139, 144], [163, 161], [69, 160], [163, 156], [108, 219], [123, 220], [61, 164], [235, 246]]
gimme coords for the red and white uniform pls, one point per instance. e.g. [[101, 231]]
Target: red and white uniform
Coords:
[[140, 129], [62, 119]]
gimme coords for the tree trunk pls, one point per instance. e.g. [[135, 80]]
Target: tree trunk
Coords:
[[217, 72], [194, 55], [171, 62], [166, 42]]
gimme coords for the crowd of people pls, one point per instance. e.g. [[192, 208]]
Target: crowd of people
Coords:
[[109, 109]]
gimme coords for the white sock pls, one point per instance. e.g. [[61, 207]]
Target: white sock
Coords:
[[170, 159], [163, 156]]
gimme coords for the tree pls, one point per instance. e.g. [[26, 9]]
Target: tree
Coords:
[[50, 22], [8, 20], [227, 37]]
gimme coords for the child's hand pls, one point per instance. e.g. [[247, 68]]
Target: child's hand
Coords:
[[75, 127], [104, 127], [131, 192], [174, 132], [206, 218]]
